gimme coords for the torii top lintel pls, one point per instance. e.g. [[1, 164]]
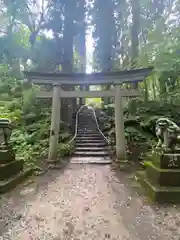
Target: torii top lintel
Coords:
[[135, 75]]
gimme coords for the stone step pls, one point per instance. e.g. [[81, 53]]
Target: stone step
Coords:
[[87, 119], [10, 169], [12, 182], [82, 127], [82, 138], [88, 122], [88, 130], [88, 135], [88, 126], [89, 145], [91, 154], [90, 160], [89, 141], [91, 149]]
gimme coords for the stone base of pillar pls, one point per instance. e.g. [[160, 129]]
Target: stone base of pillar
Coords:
[[49, 161], [121, 161], [122, 164]]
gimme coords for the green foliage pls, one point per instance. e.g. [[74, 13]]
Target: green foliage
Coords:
[[65, 149], [140, 119], [31, 122]]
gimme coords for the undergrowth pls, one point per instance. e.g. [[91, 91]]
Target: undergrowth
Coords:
[[139, 121], [30, 122]]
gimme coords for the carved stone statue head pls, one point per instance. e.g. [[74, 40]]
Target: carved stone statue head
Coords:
[[167, 132]]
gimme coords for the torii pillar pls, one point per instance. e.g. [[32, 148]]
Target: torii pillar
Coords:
[[55, 124], [119, 125]]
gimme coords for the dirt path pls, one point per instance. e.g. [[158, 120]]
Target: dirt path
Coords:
[[83, 202]]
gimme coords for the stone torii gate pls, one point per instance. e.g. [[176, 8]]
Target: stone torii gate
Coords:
[[78, 79]]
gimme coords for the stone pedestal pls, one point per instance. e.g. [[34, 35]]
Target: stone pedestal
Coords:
[[161, 178], [11, 170]]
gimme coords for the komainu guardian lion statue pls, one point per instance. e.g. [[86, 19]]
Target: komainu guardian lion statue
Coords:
[[168, 133]]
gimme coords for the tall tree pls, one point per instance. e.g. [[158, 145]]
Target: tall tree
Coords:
[[67, 63], [105, 34], [81, 26], [135, 6]]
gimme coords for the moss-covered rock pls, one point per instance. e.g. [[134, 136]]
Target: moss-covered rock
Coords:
[[163, 177], [158, 193], [6, 156], [12, 182], [10, 169], [166, 161]]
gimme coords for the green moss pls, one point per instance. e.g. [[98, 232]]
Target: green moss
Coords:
[[10, 169], [155, 158], [15, 180], [6, 156], [163, 177], [163, 160], [66, 150], [147, 188], [148, 163], [158, 193]]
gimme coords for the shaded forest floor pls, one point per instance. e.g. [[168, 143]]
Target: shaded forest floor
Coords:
[[84, 202]]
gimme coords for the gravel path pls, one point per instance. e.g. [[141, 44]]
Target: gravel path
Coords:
[[83, 202]]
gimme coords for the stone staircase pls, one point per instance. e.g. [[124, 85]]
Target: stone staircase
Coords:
[[90, 145]]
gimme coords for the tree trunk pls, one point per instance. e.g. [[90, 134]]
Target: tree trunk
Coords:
[[82, 45], [135, 35], [107, 34], [67, 65]]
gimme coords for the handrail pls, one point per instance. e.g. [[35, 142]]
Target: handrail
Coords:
[[76, 124], [97, 125]]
